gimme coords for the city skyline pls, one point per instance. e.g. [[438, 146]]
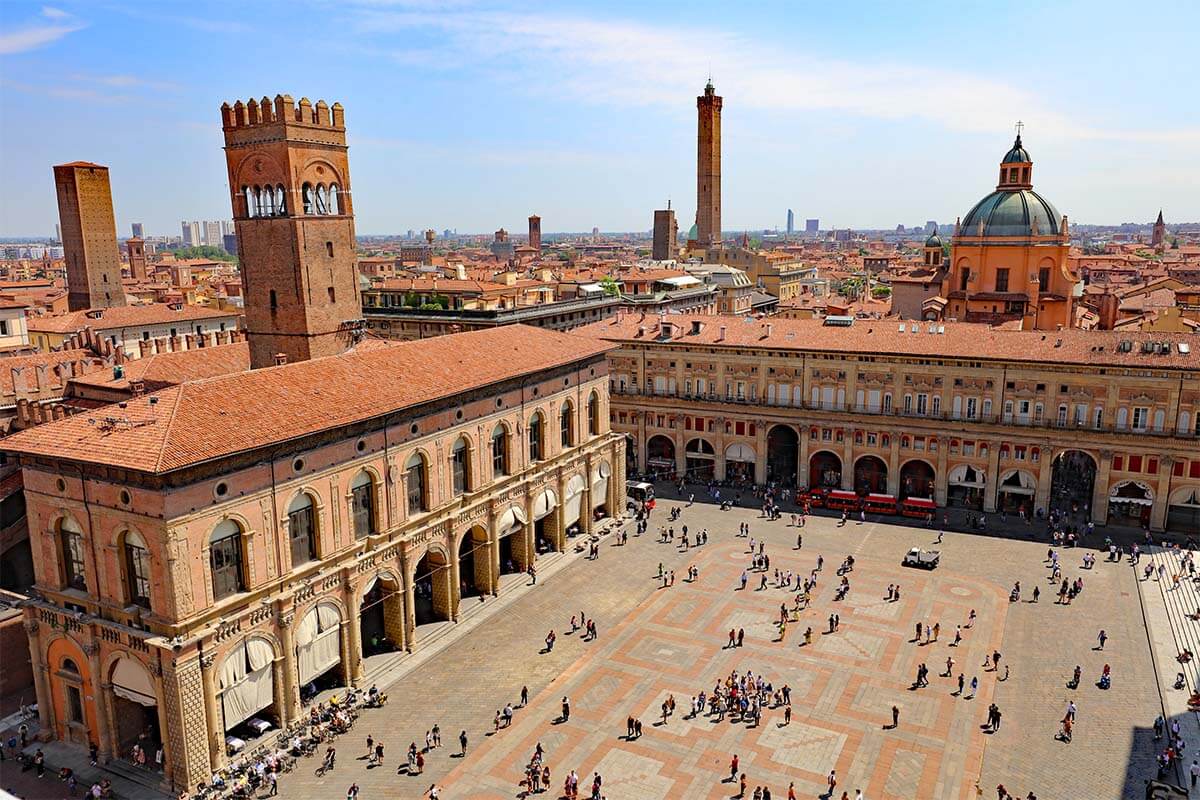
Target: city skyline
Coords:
[[822, 147]]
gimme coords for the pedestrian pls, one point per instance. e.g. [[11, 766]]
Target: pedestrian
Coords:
[[352, 792], [895, 716], [733, 768], [39, 761], [462, 743], [832, 781], [1102, 638], [566, 709]]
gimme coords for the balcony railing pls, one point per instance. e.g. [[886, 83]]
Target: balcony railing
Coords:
[[848, 408]]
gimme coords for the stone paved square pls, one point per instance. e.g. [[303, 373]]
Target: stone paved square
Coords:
[[654, 642]]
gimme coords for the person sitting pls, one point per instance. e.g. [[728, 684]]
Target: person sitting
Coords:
[[1185, 656]]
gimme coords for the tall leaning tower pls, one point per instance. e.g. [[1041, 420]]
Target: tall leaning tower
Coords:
[[708, 167], [289, 183]]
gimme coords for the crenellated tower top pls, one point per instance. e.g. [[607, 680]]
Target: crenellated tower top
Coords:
[[282, 109]]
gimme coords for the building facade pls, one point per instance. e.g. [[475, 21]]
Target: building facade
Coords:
[[708, 167], [535, 233], [89, 236], [963, 414], [666, 236], [289, 179], [190, 585]]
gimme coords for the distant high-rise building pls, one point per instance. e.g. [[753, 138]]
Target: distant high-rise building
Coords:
[[791, 222], [58, 233], [88, 232], [137, 257], [230, 242], [708, 167], [138, 230], [410, 233], [212, 234], [191, 233], [1160, 231], [666, 235], [595, 234], [812, 226], [931, 227], [227, 228], [535, 233], [446, 234]]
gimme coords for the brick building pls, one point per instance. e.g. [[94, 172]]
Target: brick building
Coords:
[[963, 414], [89, 236]]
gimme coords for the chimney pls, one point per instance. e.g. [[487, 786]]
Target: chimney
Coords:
[[721, 338], [137, 387], [280, 359], [770, 327]]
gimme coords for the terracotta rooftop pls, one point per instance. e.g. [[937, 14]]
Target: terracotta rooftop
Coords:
[[208, 419], [882, 337], [125, 317], [171, 369], [82, 164]]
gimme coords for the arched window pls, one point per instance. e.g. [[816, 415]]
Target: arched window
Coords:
[[460, 467], [69, 666], [306, 195], [302, 529], [137, 570], [322, 199], [417, 496], [225, 559], [535, 437], [280, 201], [71, 539], [499, 452], [266, 201], [333, 199], [362, 509], [248, 193], [593, 412], [567, 425]]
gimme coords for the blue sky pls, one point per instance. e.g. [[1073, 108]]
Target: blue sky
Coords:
[[474, 115]]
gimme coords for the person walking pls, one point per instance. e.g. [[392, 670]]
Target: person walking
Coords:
[[566, 709], [1101, 638], [352, 792], [895, 717], [462, 743]]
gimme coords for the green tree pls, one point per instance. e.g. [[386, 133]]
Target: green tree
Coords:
[[610, 286], [205, 251], [881, 291]]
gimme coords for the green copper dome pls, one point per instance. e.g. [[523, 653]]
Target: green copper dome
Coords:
[[1018, 154], [934, 240], [693, 232], [1012, 213]]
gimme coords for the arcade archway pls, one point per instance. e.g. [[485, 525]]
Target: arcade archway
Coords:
[[432, 589], [824, 470], [1016, 490], [660, 455], [783, 455], [870, 475], [1183, 512], [965, 485], [1072, 481], [474, 563], [916, 479], [1129, 503], [701, 460], [739, 464], [381, 615]]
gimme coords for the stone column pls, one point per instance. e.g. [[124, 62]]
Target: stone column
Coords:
[[345, 644], [410, 599], [802, 465], [1100, 490], [941, 477], [188, 739], [585, 506], [559, 532], [848, 459], [494, 557], [993, 473], [455, 581], [893, 474], [760, 451], [1162, 495], [289, 701], [103, 694], [528, 533], [1045, 477], [214, 733], [41, 680], [354, 634]]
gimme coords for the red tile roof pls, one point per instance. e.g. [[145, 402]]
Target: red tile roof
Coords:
[[171, 369], [125, 317], [276, 404], [882, 337]]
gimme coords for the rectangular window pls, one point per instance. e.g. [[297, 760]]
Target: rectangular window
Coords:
[[416, 488], [302, 530], [1141, 416], [1002, 279], [987, 406], [362, 511], [1044, 279], [908, 404], [73, 563], [972, 407], [74, 704], [1135, 463], [922, 404], [137, 570], [936, 405], [226, 562]]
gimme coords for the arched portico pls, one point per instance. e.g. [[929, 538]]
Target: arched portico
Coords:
[[824, 470], [870, 475]]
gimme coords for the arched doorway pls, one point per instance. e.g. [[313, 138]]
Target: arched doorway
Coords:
[[246, 683], [1183, 512], [916, 479], [965, 485], [1072, 481], [1015, 492], [319, 649], [824, 470], [474, 563], [783, 455], [381, 615], [431, 588], [660, 456], [510, 527], [1129, 503], [701, 460], [739, 464], [135, 713], [870, 475], [72, 689]]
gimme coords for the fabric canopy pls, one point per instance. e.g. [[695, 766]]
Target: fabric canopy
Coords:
[[1019, 482], [544, 503], [574, 500], [967, 475], [245, 681], [739, 452], [131, 681], [510, 521], [318, 646], [600, 484]]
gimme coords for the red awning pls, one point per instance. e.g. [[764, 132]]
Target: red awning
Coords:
[[920, 502], [843, 494], [880, 498]]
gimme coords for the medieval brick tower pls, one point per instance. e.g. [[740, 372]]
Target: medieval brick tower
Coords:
[[289, 182], [136, 248], [535, 233], [89, 236], [708, 167], [1158, 236]]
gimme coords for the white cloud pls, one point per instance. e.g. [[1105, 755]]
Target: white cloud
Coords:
[[53, 25], [629, 64]]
